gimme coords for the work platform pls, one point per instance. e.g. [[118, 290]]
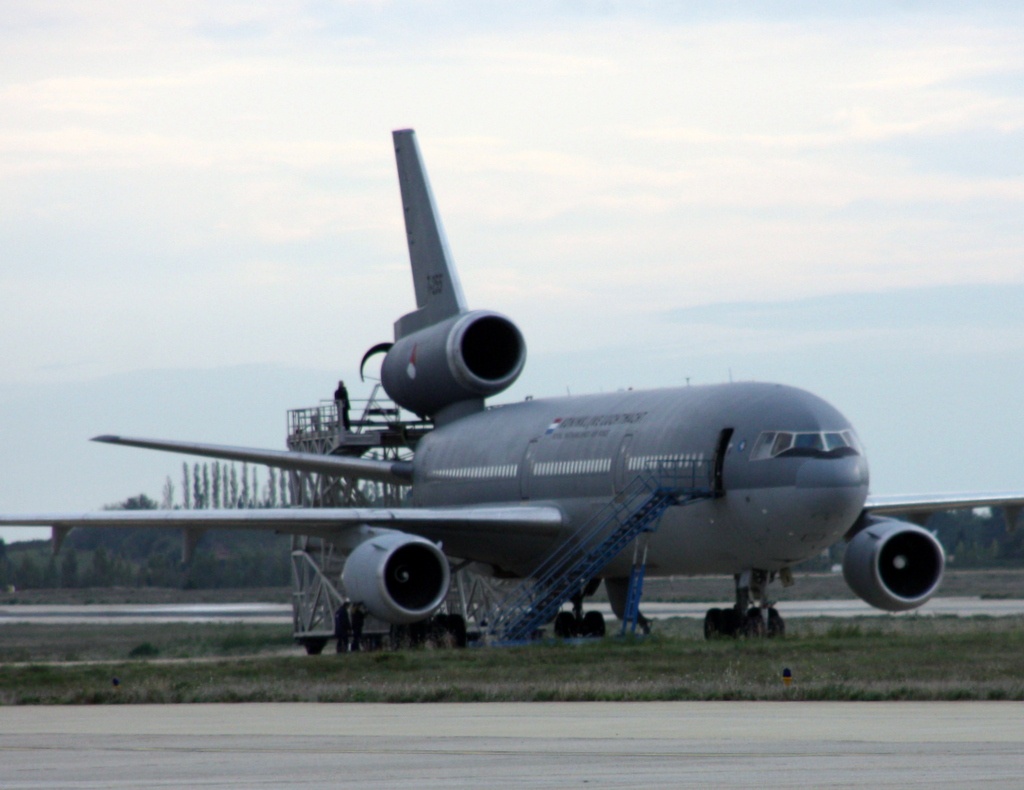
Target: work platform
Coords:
[[376, 426]]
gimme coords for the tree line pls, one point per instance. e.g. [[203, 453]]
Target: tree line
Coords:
[[111, 557], [221, 486], [115, 557]]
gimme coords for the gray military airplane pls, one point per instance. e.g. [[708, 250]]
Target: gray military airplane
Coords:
[[776, 473]]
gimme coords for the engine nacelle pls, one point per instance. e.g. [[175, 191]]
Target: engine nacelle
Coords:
[[466, 357], [893, 565], [399, 578]]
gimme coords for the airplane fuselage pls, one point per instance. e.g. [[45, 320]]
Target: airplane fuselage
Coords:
[[577, 452]]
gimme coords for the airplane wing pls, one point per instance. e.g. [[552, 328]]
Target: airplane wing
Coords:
[[467, 532], [918, 507], [398, 472]]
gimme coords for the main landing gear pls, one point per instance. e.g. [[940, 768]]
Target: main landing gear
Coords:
[[441, 630], [761, 619], [569, 625]]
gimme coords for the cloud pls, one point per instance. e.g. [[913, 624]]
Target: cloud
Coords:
[[636, 157]]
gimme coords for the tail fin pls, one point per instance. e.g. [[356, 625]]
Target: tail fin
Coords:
[[438, 291]]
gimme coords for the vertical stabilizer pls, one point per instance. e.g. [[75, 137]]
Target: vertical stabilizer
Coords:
[[438, 291]]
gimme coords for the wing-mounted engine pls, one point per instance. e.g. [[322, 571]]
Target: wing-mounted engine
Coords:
[[399, 578], [462, 359], [893, 565]]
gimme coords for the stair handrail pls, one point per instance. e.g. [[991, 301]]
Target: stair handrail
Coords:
[[599, 540]]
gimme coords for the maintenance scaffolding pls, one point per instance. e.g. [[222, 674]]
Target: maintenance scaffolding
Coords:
[[376, 428]]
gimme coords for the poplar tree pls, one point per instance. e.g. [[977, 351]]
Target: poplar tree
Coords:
[[186, 500], [282, 488], [216, 484], [197, 487], [271, 487], [167, 503]]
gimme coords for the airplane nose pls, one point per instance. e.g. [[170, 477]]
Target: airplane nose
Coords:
[[848, 472]]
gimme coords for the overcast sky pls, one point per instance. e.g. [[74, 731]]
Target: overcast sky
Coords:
[[824, 194]]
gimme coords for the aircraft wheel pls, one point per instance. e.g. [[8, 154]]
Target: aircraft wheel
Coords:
[[314, 646], [419, 632], [753, 623], [593, 624], [410, 635], [731, 622], [565, 625], [776, 625], [457, 629], [439, 630], [713, 623], [399, 637]]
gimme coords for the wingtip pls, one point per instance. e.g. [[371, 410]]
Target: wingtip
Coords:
[[107, 437]]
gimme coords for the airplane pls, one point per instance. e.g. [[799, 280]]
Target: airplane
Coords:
[[772, 476]]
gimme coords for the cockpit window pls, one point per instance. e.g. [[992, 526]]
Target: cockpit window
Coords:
[[783, 441], [834, 440], [809, 441], [808, 444]]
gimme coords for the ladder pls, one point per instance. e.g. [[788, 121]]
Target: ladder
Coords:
[[635, 589], [566, 571]]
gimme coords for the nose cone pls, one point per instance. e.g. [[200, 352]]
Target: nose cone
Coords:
[[797, 521], [849, 472]]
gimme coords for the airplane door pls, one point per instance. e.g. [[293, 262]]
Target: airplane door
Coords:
[[526, 469], [723, 447], [620, 471]]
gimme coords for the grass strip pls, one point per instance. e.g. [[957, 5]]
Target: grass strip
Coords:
[[923, 659]]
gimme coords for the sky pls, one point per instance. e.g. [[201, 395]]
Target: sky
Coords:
[[200, 225]]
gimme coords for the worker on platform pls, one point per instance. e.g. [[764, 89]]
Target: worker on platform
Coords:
[[341, 398]]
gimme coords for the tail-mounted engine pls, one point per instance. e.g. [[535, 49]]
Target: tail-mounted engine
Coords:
[[893, 565], [467, 357], [399, 578]]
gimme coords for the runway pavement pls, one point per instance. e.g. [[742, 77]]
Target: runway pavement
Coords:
[[282, 613], [109, 614], [606, 745]]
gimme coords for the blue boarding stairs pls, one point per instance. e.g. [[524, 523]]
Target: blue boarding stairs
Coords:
[[633, 513]]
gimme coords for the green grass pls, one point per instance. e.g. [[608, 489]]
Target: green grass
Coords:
[[877, 658], [32, 642]]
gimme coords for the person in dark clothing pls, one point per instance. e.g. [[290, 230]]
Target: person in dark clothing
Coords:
[[341, 398], [342, 628], [358, 617]]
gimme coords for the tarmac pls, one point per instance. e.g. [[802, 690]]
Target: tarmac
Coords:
[[601, 745], [107, 614]]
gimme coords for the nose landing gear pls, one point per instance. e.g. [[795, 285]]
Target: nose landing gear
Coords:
[[742, 619]]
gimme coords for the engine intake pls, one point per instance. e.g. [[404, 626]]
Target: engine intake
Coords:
[[466, 357], [399, 578], [893, 565]]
